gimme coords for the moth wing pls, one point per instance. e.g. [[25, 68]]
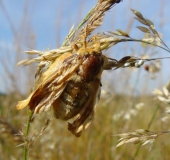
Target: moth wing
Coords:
[[86, 115], [52, 83]]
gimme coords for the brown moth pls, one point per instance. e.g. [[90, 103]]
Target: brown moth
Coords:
[[71, 86]]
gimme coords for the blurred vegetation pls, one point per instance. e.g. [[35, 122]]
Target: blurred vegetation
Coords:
[[116, 113], [98, 141]]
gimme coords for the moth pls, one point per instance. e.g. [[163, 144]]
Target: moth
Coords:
[[71, 86]]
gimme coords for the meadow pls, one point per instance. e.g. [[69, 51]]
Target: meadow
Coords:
[[127, 104]]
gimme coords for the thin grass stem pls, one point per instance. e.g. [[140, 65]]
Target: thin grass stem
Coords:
[[26, 134], [137, 40]]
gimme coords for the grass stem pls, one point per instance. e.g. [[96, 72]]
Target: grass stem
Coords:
[[26, 134]]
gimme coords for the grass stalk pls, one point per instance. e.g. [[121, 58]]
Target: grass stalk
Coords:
[[26, 135], [138, 40]]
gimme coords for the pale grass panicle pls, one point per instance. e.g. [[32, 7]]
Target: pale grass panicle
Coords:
[[141, 136], [165, 119], [153, 39], [164, 95], [139, 106]]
